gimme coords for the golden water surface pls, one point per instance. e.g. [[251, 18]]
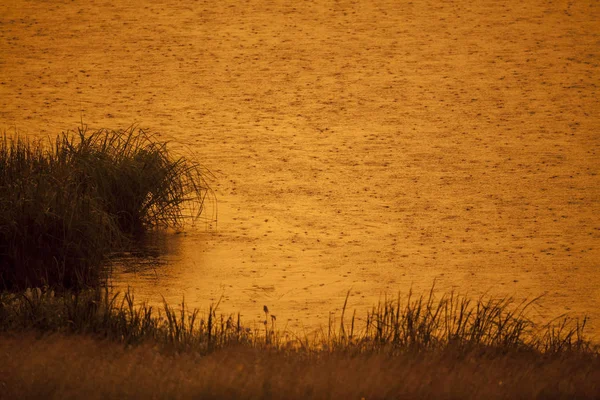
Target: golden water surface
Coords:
[[371, 145]]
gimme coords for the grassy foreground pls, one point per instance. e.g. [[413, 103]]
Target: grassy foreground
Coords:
[[66, 206], [92, 345], [60, 367]]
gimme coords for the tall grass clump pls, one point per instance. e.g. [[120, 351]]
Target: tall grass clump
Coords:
[[118, 317], [456, 323], [66, 205]]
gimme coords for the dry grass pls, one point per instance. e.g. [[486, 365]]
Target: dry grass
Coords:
[[59, 367]]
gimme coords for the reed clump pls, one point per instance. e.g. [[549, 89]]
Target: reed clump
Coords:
[[67, 205]]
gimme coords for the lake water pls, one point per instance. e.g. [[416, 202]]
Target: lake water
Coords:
[[370, 146]]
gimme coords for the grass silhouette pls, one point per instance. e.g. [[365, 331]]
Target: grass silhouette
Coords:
[[66, 206]]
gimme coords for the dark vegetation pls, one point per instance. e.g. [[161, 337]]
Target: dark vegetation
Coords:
[[67, 205]]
